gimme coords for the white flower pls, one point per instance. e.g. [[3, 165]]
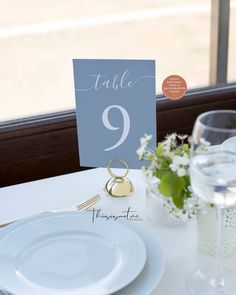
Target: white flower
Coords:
[[181, 160], [204, 142], [154, 165], [174, 167], [171, 137], [141, 152], [181, 172], [182, 137], [166, 147], [144, 141], [202, 145], [169, 143], [179, 164], [151, 180], [178, 169]]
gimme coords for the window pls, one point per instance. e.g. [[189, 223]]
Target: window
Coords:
[[38, 40], [232, 43]]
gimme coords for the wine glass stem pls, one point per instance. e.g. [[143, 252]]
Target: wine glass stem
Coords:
[[219, 249]]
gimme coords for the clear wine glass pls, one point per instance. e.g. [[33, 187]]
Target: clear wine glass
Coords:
[[213, 179]]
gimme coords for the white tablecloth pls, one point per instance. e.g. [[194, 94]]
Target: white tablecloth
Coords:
[[179, 243]]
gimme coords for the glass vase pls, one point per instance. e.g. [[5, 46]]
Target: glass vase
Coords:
[[162, 211]]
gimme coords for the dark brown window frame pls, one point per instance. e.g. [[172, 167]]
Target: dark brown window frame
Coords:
[[44, 146]]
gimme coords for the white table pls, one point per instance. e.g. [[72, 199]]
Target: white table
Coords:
[[179, 243]]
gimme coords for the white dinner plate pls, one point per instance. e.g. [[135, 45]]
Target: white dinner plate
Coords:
[[65, 253]]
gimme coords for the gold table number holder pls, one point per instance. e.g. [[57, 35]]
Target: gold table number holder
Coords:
[[118, 186]]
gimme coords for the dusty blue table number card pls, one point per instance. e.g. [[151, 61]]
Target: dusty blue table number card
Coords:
[[115, 104]]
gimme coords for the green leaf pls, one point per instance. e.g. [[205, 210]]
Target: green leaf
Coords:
[[187, 181], [160, 173], [172, 185], [186, 148], [159, 149], [178, 200]]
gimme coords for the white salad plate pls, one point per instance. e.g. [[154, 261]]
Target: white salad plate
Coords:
[[65, 253]]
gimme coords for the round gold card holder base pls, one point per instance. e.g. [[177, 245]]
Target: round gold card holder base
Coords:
[[118, 185]]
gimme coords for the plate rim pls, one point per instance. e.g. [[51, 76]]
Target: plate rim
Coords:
[[151, 243]]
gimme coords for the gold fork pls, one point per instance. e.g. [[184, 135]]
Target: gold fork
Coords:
[[80, 207], [88, 203]]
